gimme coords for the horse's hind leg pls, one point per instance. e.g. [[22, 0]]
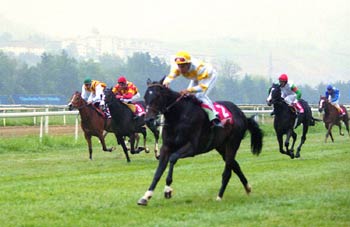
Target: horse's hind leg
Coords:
[[289, 151], [226, 176], [340, 132], [144, 134], [346, 123], [232, 164], [302, 140], [103, 143], [155, 132]]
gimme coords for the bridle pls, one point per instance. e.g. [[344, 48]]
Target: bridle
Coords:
[[166, 108], [74, 101]]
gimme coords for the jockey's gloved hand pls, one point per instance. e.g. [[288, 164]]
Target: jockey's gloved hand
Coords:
[[184, 92]]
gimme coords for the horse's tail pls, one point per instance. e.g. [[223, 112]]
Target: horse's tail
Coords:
[[256, 140], [313, 121]]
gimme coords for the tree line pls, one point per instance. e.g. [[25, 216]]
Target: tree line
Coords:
[[60, 74]]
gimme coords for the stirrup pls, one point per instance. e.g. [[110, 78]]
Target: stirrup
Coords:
[[216, 123]]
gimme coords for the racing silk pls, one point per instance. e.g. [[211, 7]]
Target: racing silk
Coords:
[[290, 90], [94, 93], [334, 96], [202, 76], [129, 94]]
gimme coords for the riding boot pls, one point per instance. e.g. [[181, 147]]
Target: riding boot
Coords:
[[298, 119], [213, 118]]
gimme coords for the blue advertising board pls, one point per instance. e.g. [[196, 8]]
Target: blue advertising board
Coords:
[[39, 99], [4, 99]]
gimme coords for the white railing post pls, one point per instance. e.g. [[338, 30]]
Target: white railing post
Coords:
[[41, 129], [64, 117], [46, 121], [4, 119], [34, 118]]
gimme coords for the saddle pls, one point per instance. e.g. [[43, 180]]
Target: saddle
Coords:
[[136, 108], [223, 113]]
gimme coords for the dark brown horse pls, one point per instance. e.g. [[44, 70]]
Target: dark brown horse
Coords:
[[187, 133], [331, 117], [93, 123], [284, 121]]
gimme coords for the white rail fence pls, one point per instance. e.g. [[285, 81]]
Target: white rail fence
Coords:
[[36, 112]]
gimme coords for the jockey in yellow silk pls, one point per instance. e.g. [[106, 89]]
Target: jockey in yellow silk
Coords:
[[202, 78]]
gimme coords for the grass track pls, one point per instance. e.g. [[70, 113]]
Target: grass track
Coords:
[[54, 184]]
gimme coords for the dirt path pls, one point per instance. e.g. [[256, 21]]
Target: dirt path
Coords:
[[11, 131]]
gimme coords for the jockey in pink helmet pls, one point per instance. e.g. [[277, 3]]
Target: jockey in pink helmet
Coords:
[[291, 95]]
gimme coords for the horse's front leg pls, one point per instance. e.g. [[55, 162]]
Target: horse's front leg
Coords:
[[329, 132], [162, 164], [121, 141], [290, 151], [88, 140], [183, 152], [280, 143]]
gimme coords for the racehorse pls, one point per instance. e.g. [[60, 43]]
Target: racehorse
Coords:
[[93, 123], [284, 121], [331, 117], [125, 123], [187, 132]]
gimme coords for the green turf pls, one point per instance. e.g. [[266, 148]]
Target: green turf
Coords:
[[54, 184]]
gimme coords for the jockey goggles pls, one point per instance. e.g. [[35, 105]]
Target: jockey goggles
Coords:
[[181, 60]]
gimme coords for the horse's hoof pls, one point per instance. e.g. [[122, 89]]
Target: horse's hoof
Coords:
[[142, 202], [167, 195], [147, 150], [297, 155], [248, 189], [218, 198], [157, 157]]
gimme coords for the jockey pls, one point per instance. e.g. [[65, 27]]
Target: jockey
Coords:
[[92, 92], [291, 95], [127, 92], [333, 94], [203, 77]]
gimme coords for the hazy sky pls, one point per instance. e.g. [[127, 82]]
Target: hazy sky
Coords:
[[318, 21]]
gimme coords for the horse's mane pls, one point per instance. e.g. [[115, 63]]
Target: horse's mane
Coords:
[[172, 93]]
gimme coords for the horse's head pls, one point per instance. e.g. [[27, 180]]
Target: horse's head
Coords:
[[76, 101], [156, 99], [109, 95], [321, 103], [274, 94]]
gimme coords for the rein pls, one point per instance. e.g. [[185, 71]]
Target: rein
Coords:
[[174, 103], [167, 108]]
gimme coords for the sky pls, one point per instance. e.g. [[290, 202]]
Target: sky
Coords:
[[323, 23], [317, 21]]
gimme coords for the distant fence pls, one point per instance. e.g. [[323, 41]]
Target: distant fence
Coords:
[[12, 112], [20, 111]]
